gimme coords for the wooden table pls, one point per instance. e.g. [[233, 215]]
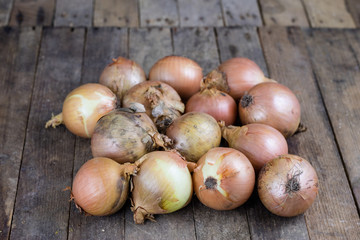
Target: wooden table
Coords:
[[48, 48]]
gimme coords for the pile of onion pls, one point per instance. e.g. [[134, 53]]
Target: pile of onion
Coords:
[[162, 103], [163, 185], [193, 134], [181, 73], [273, 104], [83, 107], [287, 185], [224, 179], [124, 136], [121, 75], [259, 142], [101, 186]]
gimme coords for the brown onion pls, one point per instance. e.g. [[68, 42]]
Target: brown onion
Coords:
[[162, 103], [83, 107], [218, 104], [287, 185], [272, 104], [194, 134], [224, 179], [236, 76], [121, 75], [124, 136], [163, 185], [259, 142], [101, 186], [181, 73]]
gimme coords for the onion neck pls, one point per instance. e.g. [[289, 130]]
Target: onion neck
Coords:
[[232, 133], [55, 121], [215, 79], [141, 214]]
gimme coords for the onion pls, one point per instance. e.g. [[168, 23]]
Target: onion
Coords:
[[272, 104], [236, 76], [218, 104], [162, 103], [101, 186], [194, 134], [124, 136], [83, 107], [163, 185], [181, 73], [121, 75], [287, 185], [259, 142], [224, 179]]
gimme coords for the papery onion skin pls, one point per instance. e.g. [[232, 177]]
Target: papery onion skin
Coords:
[[241, 75], [273, 104], [216, 103], [224, 179], [288, 185], [193, 134], [162, 103], [121, 75], [83, 107], [163, 185], [123, 136], [101, 186], [259, 142], [181, 73]]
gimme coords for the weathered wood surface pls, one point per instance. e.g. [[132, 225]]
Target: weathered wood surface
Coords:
[[5, 11], [73, 13], [328, 13], [32, 13], [118, 13], [159, 13], [241, 12], [18, 54], [284, 12], [354, 8]]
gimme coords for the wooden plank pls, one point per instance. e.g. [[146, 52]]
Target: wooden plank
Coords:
[[198, 13], [244, 42], [354, 8], [73, 13], [5, 11], [97, 55], [159, 13], [333, 215], [338, 76], [18, 55], [328, 13], [199, 44], [32, 13], [42, 207], [241, 12], [119, 13], [284, 13], [155, 44]]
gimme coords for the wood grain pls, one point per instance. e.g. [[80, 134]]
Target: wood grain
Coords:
[[18, 54], [97, 55], [244, 42], [337, 72], [197, 13], [73, 13], [118, 13], [328, 13], [159, 13], [284, 13], [353, 7], [317, 144], [198, 44], [148, 45], [42, 207], [5, 11], [241, 13], [32, 13]]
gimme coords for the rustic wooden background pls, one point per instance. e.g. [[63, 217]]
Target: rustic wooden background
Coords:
[[47, 48]]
